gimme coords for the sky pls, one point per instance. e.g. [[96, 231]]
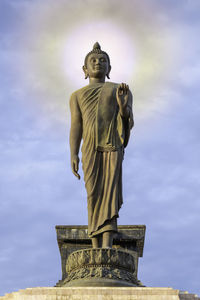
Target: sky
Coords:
[[154, 47]]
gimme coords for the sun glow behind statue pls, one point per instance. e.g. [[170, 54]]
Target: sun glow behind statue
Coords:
[[137, 53], [112, 39]]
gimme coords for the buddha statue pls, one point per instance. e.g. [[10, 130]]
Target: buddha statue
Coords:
[[101, 117]]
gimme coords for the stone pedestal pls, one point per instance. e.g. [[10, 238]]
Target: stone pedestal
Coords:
[[109, 293], [100, 267], [130, 239]]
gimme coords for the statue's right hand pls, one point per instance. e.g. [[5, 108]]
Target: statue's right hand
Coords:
[[75, 165]]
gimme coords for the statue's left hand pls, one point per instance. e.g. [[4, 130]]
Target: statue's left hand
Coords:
[[122, 97], [74, 165]]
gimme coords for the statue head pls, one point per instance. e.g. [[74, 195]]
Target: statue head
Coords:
[[101, 57]]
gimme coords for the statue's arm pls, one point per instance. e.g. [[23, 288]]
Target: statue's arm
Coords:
[[125, 102], [130, 109], [75, 133]]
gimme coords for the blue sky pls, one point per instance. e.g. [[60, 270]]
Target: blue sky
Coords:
[[154, 47]]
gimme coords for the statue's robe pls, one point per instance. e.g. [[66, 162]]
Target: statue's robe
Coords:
[[105, 134]]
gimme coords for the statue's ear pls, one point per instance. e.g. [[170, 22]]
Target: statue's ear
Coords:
[[85, 71], [107, 75]]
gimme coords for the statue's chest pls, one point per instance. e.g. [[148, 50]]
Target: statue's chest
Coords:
[[100, 102], [107, 105]]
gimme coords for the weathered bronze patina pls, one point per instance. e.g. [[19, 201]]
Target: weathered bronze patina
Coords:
[[101, 115]]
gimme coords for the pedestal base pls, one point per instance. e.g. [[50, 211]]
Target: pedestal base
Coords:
[[100, 267], [93, 293], [129, 238], [99, 282]]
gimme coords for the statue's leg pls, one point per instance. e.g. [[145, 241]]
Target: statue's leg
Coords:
[[95, 242], [107, 239]]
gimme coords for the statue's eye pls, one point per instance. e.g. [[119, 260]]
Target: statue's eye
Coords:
[[103, 59]]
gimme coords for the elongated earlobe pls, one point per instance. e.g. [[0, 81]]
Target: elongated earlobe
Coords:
[[85, 72], [108, 74]]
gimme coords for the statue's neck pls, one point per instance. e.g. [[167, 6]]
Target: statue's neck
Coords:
[[96, 80]]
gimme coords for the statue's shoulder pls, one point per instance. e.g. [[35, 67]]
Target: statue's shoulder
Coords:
[[75, 98], [112, 84], [76, 94]]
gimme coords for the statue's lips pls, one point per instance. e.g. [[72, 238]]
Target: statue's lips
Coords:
[[98, 68]]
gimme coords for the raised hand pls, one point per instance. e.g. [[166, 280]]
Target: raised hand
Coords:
[[122, 95], [75, 165]]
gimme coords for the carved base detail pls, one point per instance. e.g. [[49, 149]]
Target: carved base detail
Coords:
[[100, 267]]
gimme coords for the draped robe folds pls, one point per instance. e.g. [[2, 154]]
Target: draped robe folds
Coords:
[[104, 136]]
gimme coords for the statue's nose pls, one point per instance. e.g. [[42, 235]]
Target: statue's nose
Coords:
[[98, 61]]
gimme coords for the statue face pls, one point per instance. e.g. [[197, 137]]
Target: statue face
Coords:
[[97, 65]]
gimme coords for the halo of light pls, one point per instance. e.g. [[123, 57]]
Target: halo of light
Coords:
[[112, 39]]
